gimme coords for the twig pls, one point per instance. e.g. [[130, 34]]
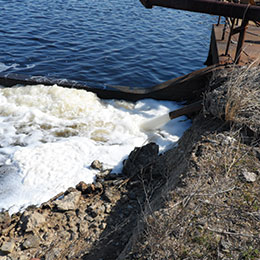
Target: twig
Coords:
[[216, 193], [232, 233]]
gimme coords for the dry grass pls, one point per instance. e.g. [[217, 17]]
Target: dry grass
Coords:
[[238, 99], [212, 213]]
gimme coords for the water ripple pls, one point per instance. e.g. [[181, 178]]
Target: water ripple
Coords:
[[114, 42]]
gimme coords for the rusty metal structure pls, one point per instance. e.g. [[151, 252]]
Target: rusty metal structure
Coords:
[[244, 10]]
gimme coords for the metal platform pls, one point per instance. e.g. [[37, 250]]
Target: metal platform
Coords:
[[222, 52], [239, 16]]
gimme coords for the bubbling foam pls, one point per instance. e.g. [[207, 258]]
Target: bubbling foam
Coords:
[[49, 136]]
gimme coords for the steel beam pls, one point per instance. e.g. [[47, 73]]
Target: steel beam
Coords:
[[214, 7]]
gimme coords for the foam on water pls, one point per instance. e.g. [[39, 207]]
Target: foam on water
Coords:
[[4, 67], [50, 135]]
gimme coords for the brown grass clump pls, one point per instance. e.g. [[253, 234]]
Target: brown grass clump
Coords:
[[238, 99]]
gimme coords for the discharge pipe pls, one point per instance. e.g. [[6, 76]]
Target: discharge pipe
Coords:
[[220, 8]]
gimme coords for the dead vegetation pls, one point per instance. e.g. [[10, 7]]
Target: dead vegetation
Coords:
[[210, 209], [238, 99], [213, 212]]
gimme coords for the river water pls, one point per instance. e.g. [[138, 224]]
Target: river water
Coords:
[[101, 42], [50, 135]]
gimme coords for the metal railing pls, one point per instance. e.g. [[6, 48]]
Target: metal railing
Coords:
[[245, 10]]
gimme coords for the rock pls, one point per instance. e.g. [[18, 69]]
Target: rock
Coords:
[[71, 217], [64, 235], [103, 225], [6, 258], [248, 176], [96, 210], [82, 186], [89, 188], [5, 219], [24, 257], [111, 196], [104, 173], [98, 186], [92, 212], [53, 254], [68, 202], [8, 247], [30, 221], [97, 165], [83, 227], [73, 233], [69, 190], [107, 208], [140, 158], [31, 242]]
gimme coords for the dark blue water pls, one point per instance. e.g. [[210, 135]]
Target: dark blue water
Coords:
[[101, 42]]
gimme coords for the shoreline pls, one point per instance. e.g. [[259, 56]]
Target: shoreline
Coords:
[[197, 200]]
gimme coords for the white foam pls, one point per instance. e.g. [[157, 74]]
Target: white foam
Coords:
[[49, 136], [4, 67]]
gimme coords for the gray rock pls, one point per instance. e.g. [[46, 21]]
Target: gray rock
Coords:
[[24, 257], [64, 235], [6, 258], [83, 227], [31, 242], [111, 196], [32, 220], [5, 219], [53, 254], [248, 176], [98, 186], [140, 158], [8, 247], [97, 165], [104, 173], [68, 202]]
